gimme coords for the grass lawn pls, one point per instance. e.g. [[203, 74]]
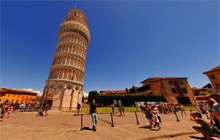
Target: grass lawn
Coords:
[[85, 109], [107, 110], [188, 108]]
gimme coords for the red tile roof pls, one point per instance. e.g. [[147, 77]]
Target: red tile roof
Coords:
[[163, 78], [214, 69], [5, 90], [195, 89], [112, 92]]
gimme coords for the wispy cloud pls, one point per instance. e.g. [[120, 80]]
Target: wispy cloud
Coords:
[[85, 94], [39, 93]]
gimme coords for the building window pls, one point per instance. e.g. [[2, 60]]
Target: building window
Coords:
[[213, 76], [173, 90], [184, 90], [218, 86], [170, 82], [181, 82]]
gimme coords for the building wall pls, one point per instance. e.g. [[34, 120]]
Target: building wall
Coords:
[[214, 77], [62, 95], [156, 87], [162, 86], [19, 98], [171, 96]]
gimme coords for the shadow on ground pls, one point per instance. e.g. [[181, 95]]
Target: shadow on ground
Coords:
[[200, 138], [87, 128], [145, 127]]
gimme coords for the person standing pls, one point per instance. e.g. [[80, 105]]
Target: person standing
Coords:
[[122, 109], [182, 110], [113, 108], [93, 112], [119, 108], [10, 110], [78, 108], [46, 108], [213, 112]]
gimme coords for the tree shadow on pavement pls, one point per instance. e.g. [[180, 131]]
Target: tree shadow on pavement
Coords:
[[200, 138]]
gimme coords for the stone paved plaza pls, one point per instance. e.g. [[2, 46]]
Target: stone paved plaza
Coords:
[[66, 126]]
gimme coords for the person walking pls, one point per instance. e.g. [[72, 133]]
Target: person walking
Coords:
[[4, 109], [148, 113], [93, 112], [156, 120]]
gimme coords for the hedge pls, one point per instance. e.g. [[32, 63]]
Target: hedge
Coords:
[[128, 100]]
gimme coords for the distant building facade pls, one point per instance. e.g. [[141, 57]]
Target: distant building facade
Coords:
[[64, 87], [17, 96], [214, 77], [176, 90]]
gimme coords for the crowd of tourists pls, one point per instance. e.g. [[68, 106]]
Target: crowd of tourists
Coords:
[[7, 108], [23, 107], [208, 129], [153, 111]]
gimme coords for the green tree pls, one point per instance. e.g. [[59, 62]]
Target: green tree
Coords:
[[92, 95], [127, 92], [133, 89]]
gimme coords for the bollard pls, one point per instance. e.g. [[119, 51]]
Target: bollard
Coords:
[[136, 118], [112, 120], [81, 122], [177, 119]]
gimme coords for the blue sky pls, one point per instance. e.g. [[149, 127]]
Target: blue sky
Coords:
[[130, 41]]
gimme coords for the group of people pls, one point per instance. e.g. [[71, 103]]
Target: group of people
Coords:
[[170, 108], [152, 115], [151, 111], [120, 108], [45, 110], [28, 107]]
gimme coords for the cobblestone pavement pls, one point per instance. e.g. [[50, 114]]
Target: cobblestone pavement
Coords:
[[66, 126]]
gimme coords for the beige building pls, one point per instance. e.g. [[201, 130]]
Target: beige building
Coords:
[[176, 90], [64, 87]]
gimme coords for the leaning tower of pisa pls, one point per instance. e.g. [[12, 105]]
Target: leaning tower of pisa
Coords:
[[64, 87]]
